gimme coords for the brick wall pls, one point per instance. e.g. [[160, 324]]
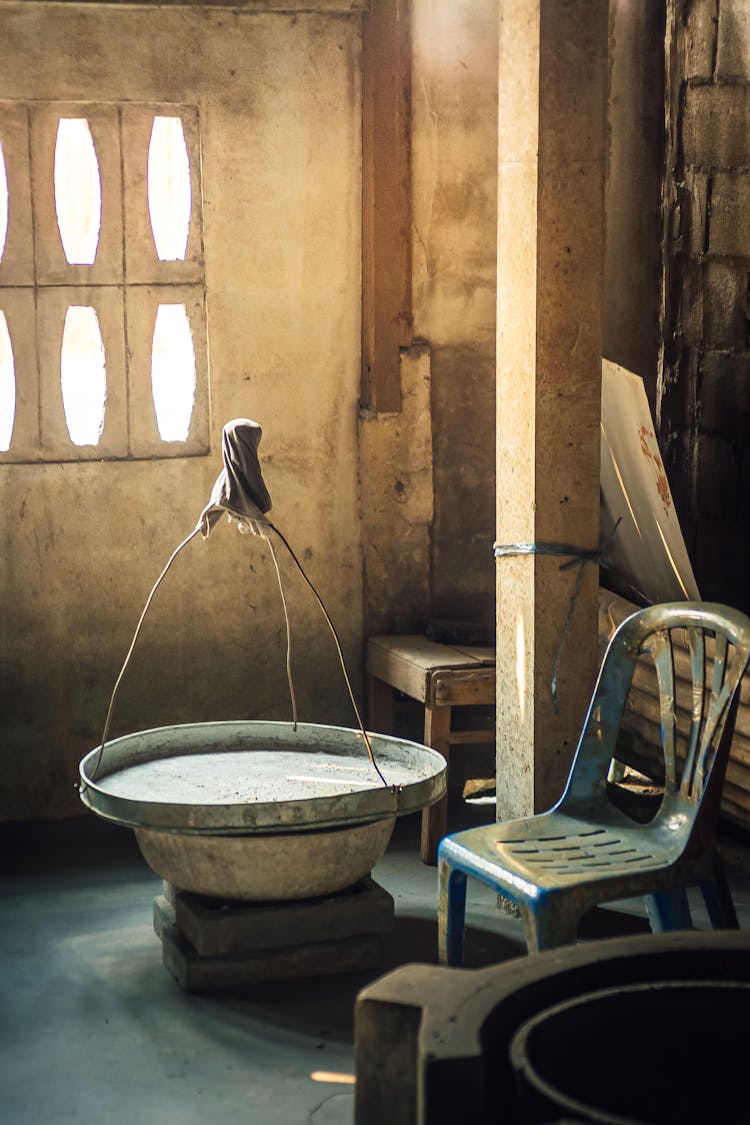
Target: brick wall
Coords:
[[705, 393]]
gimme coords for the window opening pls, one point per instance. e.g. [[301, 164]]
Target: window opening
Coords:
[[170, 199], [173, 372], [102, 271], [78, 191], [3, 202], [7, 386], [83, 375]]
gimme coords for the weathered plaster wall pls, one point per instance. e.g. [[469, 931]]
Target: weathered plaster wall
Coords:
[[705, 400], [81, 544], [397, 504], [455, 203]]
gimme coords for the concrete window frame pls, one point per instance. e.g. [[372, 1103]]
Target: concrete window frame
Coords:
[[125, 284]]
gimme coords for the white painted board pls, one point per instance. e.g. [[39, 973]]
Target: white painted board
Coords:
[[647, 556]]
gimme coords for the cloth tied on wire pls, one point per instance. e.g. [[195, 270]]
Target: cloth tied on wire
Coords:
[[239, 489]]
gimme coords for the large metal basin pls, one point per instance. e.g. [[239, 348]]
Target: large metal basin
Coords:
[[281, 867], [260, 810]]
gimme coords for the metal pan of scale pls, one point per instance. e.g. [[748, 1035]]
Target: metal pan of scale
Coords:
[[258, 809]]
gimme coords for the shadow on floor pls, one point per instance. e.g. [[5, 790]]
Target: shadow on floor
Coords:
[[324, 1006], [101, 1031]]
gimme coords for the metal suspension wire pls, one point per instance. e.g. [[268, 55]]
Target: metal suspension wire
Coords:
[[339, 650], [136, 634]]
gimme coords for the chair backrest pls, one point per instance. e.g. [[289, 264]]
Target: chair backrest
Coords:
[[687, 659]]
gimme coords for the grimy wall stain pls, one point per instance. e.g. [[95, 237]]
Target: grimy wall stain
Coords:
[[81, 544], [455, 48]]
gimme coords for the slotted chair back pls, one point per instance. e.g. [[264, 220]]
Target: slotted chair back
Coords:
[[698, 654]]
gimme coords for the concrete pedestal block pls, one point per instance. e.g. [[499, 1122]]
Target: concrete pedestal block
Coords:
[[215, 928], [210, 945]]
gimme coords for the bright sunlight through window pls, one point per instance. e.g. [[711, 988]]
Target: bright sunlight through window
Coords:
[[102, 282], [169, 195], [78, 191], [3, 203], [83, 375], [173, 372], [7, 386]]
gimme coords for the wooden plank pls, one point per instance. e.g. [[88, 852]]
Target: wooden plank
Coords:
[[472, 737], [644, 679], [649, 730], [386, 201], [740, 809], [416, 648], [409, 662], [260, 6], [431, 655], [439, 676], [437, 730], [463, 688], [397, 669], [482, 653]]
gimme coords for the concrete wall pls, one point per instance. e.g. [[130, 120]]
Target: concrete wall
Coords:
[[396, 482], [455, 204], [81, 544], [428, 472], [706, 392]]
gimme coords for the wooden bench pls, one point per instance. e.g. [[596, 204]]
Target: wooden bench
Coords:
[[440, 677]]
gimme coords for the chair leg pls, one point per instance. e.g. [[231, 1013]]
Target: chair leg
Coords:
[[668, 910], [549, 925], [718, 899], [451, 914]]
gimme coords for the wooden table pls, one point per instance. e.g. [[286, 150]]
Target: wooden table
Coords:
[[440, 677]]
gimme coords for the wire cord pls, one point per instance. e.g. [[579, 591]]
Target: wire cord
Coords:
[[136, 634], [339, 650], [107, 722], [290, 681]]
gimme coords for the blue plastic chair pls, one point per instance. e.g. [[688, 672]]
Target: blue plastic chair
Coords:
[[557, 865]]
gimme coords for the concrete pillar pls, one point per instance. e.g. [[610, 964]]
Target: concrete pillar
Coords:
[[551, 138]]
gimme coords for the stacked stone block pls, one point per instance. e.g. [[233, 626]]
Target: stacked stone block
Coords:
[[211, 945], [706, 420]]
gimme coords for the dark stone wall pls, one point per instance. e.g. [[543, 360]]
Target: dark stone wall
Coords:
[[705, 400]]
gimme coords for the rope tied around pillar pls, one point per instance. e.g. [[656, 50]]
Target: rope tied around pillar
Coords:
[[576, 556]]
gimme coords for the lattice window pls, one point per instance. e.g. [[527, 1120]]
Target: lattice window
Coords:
[[102, 292]]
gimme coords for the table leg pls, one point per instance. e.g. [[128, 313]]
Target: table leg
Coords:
[[437, 732], [379, 706]]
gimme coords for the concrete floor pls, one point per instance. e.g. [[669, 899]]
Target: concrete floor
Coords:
[[93, 1029]]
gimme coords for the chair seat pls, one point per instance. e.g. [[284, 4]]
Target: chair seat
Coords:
[[555, 850]]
